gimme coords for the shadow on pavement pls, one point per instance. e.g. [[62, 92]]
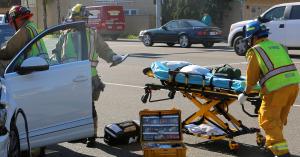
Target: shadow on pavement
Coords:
[[60, 151], [121, 151], [295, 56], [124, 151], [245, 150]]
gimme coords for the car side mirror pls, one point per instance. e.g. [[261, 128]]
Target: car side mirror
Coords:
[[262, 19], [164, 27], [32, 64]]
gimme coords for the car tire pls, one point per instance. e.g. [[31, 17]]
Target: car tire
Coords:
[[14, 142], [35, 152], [170, 44], [147, 40], [208, 44], [184, 41], [240, 47]]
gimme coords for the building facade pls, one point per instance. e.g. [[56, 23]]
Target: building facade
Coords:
[[140, 14]]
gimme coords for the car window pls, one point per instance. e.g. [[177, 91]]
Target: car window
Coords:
[[195, 23], [172, 25], [275, 14], [183, 24], [295, 13]]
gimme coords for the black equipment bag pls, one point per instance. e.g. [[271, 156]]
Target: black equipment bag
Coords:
[[227, 71], [122, 133]]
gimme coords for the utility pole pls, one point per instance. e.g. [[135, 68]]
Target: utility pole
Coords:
[[158, 13]]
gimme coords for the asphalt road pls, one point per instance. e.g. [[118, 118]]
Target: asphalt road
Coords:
[[124, 87]]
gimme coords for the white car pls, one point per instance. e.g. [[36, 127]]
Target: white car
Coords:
[[284, 24], [55, 97]]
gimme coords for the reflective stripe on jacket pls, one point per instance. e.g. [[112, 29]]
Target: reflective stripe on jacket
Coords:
[[277, 67]]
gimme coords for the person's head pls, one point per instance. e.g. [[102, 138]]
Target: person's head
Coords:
[[18, 15], [79, 13], [254, 31]]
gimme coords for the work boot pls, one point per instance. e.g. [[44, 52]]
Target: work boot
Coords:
[[284, 155], [91, 142]]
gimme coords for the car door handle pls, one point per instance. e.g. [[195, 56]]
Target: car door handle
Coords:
[[281, 26], [80, 79]]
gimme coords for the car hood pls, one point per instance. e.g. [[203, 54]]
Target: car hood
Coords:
[[241, 23], [150, 30]]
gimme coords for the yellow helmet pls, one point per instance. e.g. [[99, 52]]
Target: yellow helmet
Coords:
[[79, 11]]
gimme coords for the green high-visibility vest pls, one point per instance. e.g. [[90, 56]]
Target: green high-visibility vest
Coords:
[[39, 48], [277, 67], [69, 50]]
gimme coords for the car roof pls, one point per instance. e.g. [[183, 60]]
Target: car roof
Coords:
[[286, 4]]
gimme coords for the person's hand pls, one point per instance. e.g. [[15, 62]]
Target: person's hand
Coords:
[[242, 98], [117, 59]]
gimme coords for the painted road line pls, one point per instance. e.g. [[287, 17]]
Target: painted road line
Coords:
[[124, 85]]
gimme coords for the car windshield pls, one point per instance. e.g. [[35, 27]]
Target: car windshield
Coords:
[[196, 23]]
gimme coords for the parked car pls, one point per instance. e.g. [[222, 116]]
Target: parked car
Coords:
[[6, 31], [56, 97], [282, 20], [184, 32]]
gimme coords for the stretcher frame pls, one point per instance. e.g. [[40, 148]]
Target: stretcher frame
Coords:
[[212, 103]]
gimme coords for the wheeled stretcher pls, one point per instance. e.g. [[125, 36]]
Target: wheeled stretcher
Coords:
[[212, 102]]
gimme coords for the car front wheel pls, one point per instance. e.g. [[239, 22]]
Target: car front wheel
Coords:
[[208, 44], [14, 143], [147, 41], [184, 41], [240, 46]]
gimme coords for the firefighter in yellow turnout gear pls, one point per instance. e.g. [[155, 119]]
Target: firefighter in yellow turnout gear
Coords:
[[19, 18], [270, 65], [65, 51]]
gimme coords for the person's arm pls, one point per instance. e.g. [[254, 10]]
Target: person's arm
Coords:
[[102, 49], [15, 44], [253, 72]]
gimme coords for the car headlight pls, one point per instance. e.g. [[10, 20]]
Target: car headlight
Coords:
[[141, 33]]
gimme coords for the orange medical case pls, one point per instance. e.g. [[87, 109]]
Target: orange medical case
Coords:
[[161, 133]]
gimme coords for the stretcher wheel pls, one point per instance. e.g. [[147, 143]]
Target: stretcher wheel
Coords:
[[171, 95], [260, 140], [233, 146], [144, 98]]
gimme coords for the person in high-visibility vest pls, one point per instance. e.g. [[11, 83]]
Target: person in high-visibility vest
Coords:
[[65, 51], [19, 18], [270, 65]]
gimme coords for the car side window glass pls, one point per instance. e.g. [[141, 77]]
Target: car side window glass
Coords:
[[172, 25], [275, 14], [295, 13], [183, 24], [64, 47]]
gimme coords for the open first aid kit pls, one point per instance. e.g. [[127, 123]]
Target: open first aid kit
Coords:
[[160, 134], [122, 133]]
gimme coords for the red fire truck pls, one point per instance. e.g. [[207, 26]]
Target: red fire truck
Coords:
[[109, 20]]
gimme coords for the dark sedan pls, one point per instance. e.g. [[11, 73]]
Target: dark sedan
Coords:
[[184, 32], [6, 31]]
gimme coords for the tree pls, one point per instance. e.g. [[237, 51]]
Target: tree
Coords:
[[194, 9], [45, 13], [58, 9]]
